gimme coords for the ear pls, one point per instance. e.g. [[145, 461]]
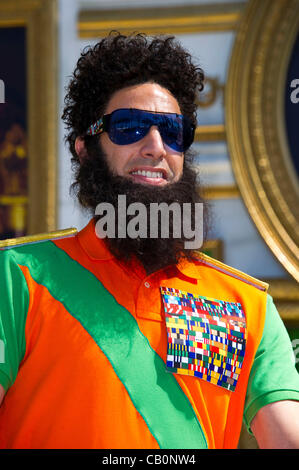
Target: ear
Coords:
[[80, 148]]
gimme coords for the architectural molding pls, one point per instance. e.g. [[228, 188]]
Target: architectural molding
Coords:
[[163, 20]]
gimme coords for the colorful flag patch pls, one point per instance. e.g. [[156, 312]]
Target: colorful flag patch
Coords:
[[206, 338]]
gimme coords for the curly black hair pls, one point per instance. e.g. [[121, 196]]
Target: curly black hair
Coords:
[[118, 61]]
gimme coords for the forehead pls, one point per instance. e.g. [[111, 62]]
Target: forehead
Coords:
[[148, 96]]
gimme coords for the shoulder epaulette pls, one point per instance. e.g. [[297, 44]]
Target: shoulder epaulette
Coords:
[[58, 234], [236, 273]]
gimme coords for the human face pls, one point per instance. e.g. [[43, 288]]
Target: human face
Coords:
[[149, 154]]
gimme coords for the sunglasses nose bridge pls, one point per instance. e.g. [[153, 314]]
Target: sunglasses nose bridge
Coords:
[[153, 144]]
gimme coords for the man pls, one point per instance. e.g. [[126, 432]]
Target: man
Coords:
[[137, 342]]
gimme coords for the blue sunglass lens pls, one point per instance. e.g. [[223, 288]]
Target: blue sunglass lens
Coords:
[[126, 131], [171, 130], [127, 126]]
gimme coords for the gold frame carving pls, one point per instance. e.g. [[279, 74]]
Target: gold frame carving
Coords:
[[39, 19], [256, 137]]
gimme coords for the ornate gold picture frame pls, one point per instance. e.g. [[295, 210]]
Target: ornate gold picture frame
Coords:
[[38, 18], [255, 124]]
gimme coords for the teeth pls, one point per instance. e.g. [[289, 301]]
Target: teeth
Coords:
[[148, 174]]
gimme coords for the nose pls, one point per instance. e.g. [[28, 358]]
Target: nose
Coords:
[[153, 145]]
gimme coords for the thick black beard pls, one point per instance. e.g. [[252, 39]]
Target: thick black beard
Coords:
[[97, 184]]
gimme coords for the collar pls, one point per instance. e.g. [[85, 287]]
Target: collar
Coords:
[[97, 250], [94, 246], [189, 269]]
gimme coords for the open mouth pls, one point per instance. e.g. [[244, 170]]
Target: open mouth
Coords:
[[157, 177], [149, 174]]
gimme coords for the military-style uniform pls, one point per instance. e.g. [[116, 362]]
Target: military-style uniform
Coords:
[[100, 355]]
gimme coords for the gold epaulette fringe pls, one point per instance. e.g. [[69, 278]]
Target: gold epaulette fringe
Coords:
[[236, 273], [57, 234]]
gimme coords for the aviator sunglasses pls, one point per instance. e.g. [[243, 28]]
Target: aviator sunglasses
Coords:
[[126, 126]]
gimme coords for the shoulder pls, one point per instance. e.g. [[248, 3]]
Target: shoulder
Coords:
[[11, 243], [224, 270], [31, 246]]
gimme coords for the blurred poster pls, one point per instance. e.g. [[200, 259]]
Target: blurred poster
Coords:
[[13, 132], [292, 106]]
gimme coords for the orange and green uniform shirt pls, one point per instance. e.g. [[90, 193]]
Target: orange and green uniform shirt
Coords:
[[96, 354]]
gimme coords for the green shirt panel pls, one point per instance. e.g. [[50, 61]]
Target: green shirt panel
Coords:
[[14, 303], [273, 376]]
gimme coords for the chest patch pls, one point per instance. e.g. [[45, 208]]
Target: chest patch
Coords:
[[206, 337]]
